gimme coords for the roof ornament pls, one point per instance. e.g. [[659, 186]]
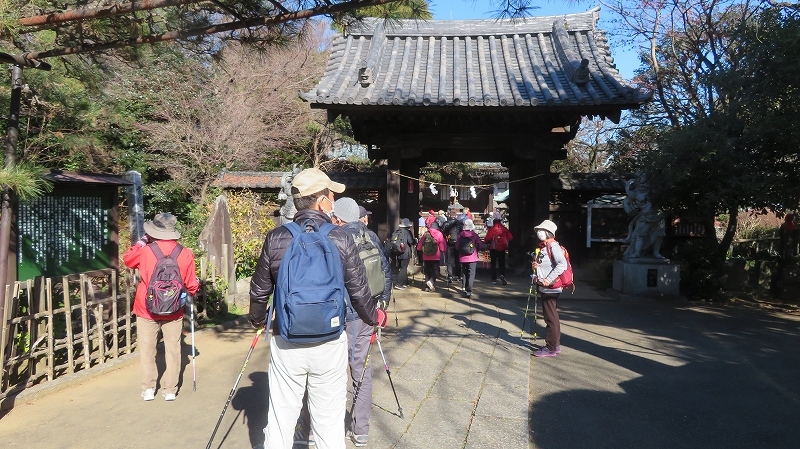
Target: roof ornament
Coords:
[[582, 75], [364, 74]]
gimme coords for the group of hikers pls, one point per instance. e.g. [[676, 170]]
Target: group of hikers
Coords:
[[327, 280], [450, 241]]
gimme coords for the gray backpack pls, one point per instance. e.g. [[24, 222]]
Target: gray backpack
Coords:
[[372, 258]]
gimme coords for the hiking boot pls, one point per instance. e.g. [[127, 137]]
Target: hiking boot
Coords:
[[544, 351], [503, 280], [359, 440], [149, 394], [169, 396]]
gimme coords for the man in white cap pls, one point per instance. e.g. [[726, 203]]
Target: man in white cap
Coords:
[[160, 240], [317, 369]]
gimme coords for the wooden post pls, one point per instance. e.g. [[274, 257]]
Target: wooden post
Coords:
[[68, 319], [99, 327], [114, 314], [213, 267], [87, 346], [48, 287], [32, 327], [128, 281], [203, 292], [224, 272], [11, 313], [4, 337], [9, 349], [392, 195], [42, 328]]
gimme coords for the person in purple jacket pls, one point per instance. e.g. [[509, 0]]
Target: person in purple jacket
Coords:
[[431, 253], [468, 246]]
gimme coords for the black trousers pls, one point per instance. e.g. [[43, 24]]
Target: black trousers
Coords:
[[498, 262], [552, 334], [468, 268], [431, 269], [453, 265], [402, 274]]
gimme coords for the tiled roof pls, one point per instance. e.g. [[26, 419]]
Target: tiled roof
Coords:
[[600, 182], [553, 60], [59, 176], [272, 180]]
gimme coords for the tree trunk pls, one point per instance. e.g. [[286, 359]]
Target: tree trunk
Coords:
[[727, 239]]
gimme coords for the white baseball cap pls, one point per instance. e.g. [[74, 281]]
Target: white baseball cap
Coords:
[[313, 180]]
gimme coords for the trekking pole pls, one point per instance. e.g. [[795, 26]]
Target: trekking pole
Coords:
[[394, 301], [238, 378], [533, 323], [360, 381], [525, 315], [386, 365], [194, 366]]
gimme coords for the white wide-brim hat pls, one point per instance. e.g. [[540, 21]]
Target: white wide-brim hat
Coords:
[[547, 225]]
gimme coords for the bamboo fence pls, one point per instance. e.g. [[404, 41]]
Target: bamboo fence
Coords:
[[58, 326]]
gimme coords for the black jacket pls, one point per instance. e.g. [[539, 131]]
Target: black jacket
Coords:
[[409, 241], [275, 245], [452, 227]]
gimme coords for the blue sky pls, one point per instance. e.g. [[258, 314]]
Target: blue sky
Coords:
[[625, 58]]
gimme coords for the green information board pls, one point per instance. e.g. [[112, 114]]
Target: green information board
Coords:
[[65, 232]]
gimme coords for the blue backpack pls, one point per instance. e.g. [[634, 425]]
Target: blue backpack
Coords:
[[309, 295]]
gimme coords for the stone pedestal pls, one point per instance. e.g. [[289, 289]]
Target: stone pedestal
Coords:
[[646, 277]]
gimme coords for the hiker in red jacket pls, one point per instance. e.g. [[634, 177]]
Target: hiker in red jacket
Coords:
[[497, 238], [161, 231]]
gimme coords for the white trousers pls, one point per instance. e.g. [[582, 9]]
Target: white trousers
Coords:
[[320, 368]]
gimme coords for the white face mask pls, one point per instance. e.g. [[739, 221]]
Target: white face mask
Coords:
[[333, 206], [541, 235]]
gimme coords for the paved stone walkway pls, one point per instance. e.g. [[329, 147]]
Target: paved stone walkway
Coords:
[[648, 374], [460, 370]]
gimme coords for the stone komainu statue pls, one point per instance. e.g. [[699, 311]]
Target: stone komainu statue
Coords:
[[288, 210], [646, 230]]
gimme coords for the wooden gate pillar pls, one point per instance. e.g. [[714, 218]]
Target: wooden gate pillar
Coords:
[[393, 189], [528, 203], [409, 191]]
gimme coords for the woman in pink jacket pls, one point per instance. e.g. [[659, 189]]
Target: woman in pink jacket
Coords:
[[468, 245], [431, 254]]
